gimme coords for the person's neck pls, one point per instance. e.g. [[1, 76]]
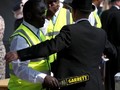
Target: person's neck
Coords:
[[34, 24], [80, 17]]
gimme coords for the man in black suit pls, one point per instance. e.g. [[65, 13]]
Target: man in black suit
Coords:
[[79, 49], [106, 16], [111, 24]]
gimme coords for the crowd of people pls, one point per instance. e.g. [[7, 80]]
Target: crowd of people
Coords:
[[56, 40]]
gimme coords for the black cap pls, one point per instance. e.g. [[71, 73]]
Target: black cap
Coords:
[[82, 5]]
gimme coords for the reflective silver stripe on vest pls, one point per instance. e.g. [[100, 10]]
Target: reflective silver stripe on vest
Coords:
[[52, 33], [23, 32], [67, 17], [12, 72], [33, 60]]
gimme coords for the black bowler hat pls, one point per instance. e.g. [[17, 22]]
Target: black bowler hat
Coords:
[[83, 5]]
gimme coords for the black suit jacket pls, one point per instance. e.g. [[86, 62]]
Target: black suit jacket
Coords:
[[111, 24], [79, 49], [106, 17]]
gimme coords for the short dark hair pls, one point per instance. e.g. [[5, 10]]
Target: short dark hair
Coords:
[[29, 6]]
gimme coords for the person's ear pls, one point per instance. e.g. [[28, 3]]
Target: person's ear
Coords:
[[74, 14]]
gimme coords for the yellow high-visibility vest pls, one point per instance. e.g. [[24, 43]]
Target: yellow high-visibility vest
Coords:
[[97, 20], [64, 18], [39, 64]]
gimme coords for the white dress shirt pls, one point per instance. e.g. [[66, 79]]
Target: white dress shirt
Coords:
[[21, 69], [44, 28], [91, 17], [117, 6]]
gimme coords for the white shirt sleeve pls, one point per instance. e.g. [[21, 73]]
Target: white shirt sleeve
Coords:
[[21, 68]]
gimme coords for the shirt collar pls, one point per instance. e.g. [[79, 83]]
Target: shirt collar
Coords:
[[56, 14], [82, 19], [31, 27], [117, 6]]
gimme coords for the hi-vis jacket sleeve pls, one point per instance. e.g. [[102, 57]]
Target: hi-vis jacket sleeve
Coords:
[[44, 49]]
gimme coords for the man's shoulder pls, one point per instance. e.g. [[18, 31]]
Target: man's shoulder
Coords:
[[100, 30], [116, 13]]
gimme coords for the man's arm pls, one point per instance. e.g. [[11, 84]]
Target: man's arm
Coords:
[[110, 50], [21, 69], [44, 49]]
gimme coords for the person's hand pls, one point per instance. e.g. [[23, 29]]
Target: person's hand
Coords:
[[11, 56], [50, 82]]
